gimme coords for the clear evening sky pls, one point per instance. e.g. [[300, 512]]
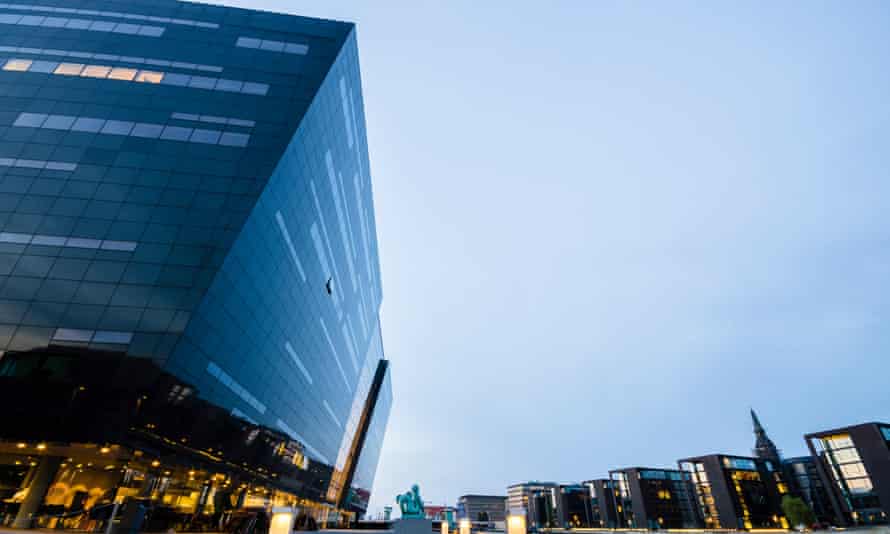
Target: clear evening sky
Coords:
[[609, 228]]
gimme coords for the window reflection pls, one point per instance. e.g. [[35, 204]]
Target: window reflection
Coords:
[[17, 65], [140, 76]]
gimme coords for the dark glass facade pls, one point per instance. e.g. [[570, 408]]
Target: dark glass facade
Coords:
[[854, 465], [189, 276], [738, 492], [654, 499]]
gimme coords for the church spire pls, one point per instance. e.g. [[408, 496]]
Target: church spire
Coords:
[[758, 428], [764, 447]]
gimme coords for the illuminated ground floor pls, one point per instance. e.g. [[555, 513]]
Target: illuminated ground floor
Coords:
[[87, 435], [76, 487]]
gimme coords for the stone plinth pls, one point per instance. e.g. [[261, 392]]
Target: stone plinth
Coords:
[[412, 526]]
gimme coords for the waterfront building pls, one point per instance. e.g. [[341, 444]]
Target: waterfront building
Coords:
[[654, 499], [805, 482], [573, 507], [482, 508], [854, 464], [189, 274], [534, 500], [602, 503], [737, 492]]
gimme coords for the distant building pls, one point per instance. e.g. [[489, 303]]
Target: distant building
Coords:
[[573, 507], [602, 503], [654, 498], [737, 491], [437, 512], [535, 500], [482, 508], [805, 482], [854, 464]]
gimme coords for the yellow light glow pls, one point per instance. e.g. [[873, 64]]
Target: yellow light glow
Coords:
[[19, 65], [21, 445], [155, 463], [281, 523], [516, 524], [147, 76], [41, 446], [69, 69], [105, 450], [122, 74]]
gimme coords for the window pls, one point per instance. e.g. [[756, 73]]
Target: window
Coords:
[[234, 139], [18, 65], [210, 137], [119, 338], [34, 120], [116, 127], [45, 67], [95, 71], [147, 76], [86, 124], [126, 75], [69, 69], [176, 133], [148, 131], [59, 122], [272, 46]]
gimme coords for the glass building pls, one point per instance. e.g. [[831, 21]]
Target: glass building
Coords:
[[654, 499], [737, 492], [189, 275], [854, 464]]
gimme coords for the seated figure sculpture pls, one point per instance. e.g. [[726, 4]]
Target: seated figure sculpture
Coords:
[[411, 504]]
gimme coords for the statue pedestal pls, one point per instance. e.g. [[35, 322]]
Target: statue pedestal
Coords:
[[412, 526]]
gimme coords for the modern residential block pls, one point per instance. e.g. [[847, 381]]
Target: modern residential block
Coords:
[[854, 464], [189, 274], [737, 492], [602, 503], [482, 508], [654, 498]]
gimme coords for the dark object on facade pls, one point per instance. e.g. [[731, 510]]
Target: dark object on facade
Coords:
[[737, 492], [602, 503], [854, 465], [654, 499], [482, 508], [178, 180]]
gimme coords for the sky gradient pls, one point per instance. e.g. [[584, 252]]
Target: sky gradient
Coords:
[[607, 229]]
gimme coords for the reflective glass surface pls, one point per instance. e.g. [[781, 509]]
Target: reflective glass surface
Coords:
[[220, 226]]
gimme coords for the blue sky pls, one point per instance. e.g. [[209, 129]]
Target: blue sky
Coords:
[[609, 228]]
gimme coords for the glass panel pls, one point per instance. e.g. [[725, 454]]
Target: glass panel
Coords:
[[69, 69], [20, 65], [147, 76], [96, 71]]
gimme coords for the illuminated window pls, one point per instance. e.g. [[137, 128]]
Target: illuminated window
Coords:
[[69, 69], [19, 65], [147, 76], [126, 75], [95, 71]]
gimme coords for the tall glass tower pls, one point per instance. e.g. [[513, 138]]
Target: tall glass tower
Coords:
[[189, 275]]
